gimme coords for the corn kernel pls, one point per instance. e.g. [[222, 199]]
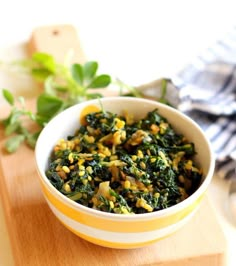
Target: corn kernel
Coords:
[[188, 165], [140, 202], [124, 210], [66, 187], [117, 138], [58, 168], [153, 160], [119, 123], [70, 145], [81, 167], [60, 141], [81, 161], [163, 157], [81, 173], [127, 184], [85, 181], [143, 165], [89, 139], [113, 157], [123, 135], [163, 127], [76, 141], [70, 157], [148, 207], [133, 187], [140, 154], [63, 146], [89, 169], [111, 203], [66, 169], [106, 151]]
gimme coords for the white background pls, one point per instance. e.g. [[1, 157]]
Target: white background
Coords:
[[137, 41]]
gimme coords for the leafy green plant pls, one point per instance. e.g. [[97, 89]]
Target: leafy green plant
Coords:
[[68, 83], [63, 86], [15, 123]]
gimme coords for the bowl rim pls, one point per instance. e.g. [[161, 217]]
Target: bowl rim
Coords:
[[173, 209]]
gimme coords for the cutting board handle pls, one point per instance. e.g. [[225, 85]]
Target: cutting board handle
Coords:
[[57, 40]]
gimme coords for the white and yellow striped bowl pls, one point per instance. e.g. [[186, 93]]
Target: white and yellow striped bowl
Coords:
[[117, 230]]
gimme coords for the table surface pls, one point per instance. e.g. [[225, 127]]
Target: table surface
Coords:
[[137, 41]]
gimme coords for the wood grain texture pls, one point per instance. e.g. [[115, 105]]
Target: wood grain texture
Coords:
[[38, 238]]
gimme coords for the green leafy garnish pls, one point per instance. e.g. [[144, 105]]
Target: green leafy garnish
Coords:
[[63, 86], [15, 124], [8, 96]]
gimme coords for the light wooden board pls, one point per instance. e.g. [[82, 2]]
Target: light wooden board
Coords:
[[38, 238]]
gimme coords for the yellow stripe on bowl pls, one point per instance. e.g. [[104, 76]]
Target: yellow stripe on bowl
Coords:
[[127, 226], [114, 239]]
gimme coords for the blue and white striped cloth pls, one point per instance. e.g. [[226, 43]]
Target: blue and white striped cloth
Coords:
[[207, 93]]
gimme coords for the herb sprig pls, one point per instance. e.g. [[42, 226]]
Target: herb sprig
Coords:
[[63, 85]]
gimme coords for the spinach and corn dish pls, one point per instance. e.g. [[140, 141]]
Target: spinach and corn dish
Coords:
[[118, 165]]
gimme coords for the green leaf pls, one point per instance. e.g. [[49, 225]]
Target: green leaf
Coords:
[[100, 82], [89, 70], [40, 74], [77, 73], [8, 96], [45, 60], [61, 89], [21, 100], [42, 120], [15, 115], [94, 95], [32, 139], [13, 143], [31, 115], [10, 128], [48, 105], [49, 85]]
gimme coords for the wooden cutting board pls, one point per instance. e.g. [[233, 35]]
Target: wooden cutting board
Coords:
[[38, 238]]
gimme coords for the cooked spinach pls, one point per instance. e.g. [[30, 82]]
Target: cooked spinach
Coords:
[[118, 165]]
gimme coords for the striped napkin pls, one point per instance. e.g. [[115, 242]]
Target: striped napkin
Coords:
[[207, 93]]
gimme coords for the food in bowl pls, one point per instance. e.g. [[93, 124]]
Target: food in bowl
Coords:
[[117, 230], [117, 164]]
